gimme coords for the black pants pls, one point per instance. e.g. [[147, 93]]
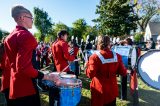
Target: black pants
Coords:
[[113, 103], [6, 93], [124, 88], [54, 96], [33, 100]]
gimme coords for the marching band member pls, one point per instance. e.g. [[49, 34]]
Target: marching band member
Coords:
[[102, 68], [133, 78], [126, 42], [74, 65], [60, 51], [19, 47]]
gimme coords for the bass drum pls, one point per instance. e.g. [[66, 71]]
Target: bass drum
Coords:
[[148, 67]]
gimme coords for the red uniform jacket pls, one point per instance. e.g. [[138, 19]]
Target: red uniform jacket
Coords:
[[19, 46], [61, 56], [104, 88], [5, 66]]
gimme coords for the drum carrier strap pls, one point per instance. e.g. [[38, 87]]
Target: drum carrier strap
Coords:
[[110, 60]]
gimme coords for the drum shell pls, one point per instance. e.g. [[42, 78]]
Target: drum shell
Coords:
[[70, 94]]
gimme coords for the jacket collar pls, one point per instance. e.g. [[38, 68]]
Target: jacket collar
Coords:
[[21, 27]]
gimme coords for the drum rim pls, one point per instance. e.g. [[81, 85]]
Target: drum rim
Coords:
[[67, 76], [151, 50], [72, 85]]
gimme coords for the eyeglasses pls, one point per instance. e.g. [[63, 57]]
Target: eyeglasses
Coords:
[[29, 17]]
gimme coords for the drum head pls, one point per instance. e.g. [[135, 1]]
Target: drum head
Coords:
[[149, 68], [57, 73]]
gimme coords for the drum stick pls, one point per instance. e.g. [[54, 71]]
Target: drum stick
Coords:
[[77, 60], [64, 69], [67, 66], [44, 68]]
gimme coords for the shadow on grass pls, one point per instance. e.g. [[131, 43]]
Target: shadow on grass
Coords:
[[147, 96], [84, 101], [85, 81]]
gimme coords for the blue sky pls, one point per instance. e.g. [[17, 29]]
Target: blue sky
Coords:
[[65, 11]]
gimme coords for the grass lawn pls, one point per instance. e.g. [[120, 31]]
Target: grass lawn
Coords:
[[147, 95]]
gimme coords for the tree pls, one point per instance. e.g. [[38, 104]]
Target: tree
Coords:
[[147, 10], [37, 35], [92, 31], [42, 22], [138, 37], [116, 17], [60, 26], [79, 28]]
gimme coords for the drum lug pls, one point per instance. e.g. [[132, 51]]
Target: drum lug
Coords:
[[72, 92]]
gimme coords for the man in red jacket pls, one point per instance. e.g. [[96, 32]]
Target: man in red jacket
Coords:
[[60, 51], [19, 48], [102, 68]]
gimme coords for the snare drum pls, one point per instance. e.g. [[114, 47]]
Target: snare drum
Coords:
[[128, 53], [148, 67], [70, 91]]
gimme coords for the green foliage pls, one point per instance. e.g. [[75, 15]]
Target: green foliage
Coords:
[[116, 17], [48, 39], [79, 28], [138, 37], [92, 31], [60, 26], [37, 35], [42, 22], [3, 34]]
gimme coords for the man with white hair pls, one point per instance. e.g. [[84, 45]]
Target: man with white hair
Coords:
[[20, 46]]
